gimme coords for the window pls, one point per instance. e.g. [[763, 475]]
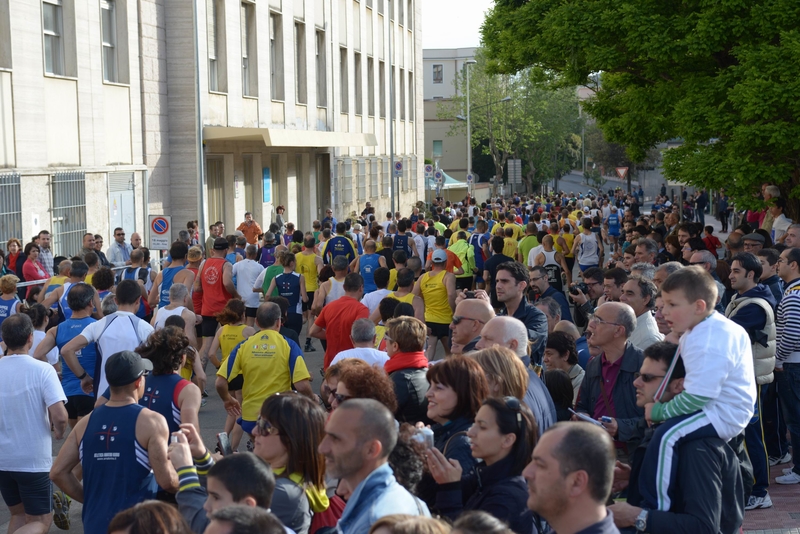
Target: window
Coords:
[[382, 83], [358, 84], [402, 84], [438, 76], [400, 11], [343, 79], [380, 7], [370, 87], [437, 149], [300, 62], [53, 27], [369, 4], [390, 6], [372, 169], [109, 26], [361, 180], [5, 41], [249, 63], [410, 15], [322, 80], [276, 56], [217, 72], [411, 96]]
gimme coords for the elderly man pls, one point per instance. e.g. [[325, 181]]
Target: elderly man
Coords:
[[468, 320], [708, 261], [569, 479], [640, 294], [646, 251], [550, 308], [607, 389], [541, 288], [792, 237], [664, 271], [644, 270], [362, 334], [136, 241], [512, 333], [753, 243]]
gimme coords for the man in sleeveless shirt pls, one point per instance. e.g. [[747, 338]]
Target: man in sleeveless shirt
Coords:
[[121, 446], [438, 291], [367, 264], [588, 249], [176, 273], [77, 275]]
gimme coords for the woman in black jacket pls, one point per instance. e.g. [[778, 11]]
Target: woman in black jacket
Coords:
[[503, 436]]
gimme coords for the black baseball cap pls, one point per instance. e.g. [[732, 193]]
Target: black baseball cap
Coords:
[[220, 243], [125, 367]]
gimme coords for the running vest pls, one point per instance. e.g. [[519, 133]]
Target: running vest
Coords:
[[613, 224], [215, 296], [116, 467], [267, 256], [477, 241], [367, 266], [161, 394], [87, 356], [401, 243], [167, 278], [62, 302], [408, 298], [588, 253], [162, 314], [129, 274], [230, 336], [55, 282], [336, 291], [307, 266], [288, 286], [7, 309], [231, 258], [434, 293], [553, 269]]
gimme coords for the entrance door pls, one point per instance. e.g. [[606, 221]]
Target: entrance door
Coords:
[[215, 184], [121, 205]]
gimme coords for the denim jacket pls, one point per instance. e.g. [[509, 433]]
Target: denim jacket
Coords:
[[377, 496]]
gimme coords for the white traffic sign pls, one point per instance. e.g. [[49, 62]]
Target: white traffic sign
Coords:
[[470, 178], [160, 232], [428, 169], [439, 176], [398, 166], [622, 172]]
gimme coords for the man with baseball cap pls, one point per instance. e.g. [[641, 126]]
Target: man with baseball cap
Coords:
[[438, 291], [120, 444]]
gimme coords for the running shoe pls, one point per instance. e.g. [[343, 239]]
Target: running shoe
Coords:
[[758, 502], [61, 504], [775, 460], [789, 478]]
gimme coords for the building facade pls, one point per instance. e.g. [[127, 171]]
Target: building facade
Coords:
[[112, 110]]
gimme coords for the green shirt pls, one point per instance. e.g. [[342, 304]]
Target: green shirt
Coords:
[[527, 244], [272, 272]]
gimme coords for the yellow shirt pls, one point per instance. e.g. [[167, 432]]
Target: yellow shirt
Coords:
[[380, 332], [265, 361], [454, 237], [88, 278], [569, 238], [392, 279], [408, 299], [510, 247], [230, 337], [434, 293], [307, 266]]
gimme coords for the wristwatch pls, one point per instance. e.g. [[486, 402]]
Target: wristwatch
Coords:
[[641, 520]]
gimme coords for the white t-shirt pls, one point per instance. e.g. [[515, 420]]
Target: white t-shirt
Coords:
[[719, 365], [125, 332], [246, 273], [38, 336], [371, 356], [779, 226], [385, 225], [373, 300], [533, 253], [28, 388]]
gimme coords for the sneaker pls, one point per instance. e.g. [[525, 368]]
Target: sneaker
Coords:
[[758, 502], [775, 460], [788, 470], [789, 478], [61, 504], [203, 402], [309, 347], [205, 394]]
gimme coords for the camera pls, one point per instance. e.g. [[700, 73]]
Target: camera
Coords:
[[577, 287], [469, 294], [424, 436]]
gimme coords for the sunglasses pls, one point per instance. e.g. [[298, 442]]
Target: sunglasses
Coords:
[[513, 404], [458, 318], [265, 428], [646, 378], [341, 398]]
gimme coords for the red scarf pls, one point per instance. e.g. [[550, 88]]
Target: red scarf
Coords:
[[406, 360]]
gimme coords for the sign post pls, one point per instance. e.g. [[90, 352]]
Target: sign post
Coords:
[[622, 172], [160, 232]]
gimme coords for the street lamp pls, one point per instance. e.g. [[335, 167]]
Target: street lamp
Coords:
[[467, 63]]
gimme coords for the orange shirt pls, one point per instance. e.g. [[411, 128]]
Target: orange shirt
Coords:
[[250, 231], [453, 262], [337, 319]]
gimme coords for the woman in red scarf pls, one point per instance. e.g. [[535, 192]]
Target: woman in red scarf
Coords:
[[407, 365]]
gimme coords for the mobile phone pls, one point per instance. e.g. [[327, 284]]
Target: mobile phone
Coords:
[[224, 444], [606, 419], [584, 417]]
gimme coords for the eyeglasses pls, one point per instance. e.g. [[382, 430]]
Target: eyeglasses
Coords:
[[646, 378], [594, 283], [341, 398], [123, 233], [388, 339], [513, 404], [265, 428], [538, 278], [458, 318], [595, 319], [697, 263]]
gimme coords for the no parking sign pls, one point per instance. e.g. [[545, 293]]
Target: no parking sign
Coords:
[[160, 232]]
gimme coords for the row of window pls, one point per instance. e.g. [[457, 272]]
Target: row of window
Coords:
[[373, 176]]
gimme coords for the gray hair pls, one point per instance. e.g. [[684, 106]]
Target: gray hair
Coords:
[[64, 267], [649, 244], [773, 190], [627, 318], [377, 422], [646, 289], [109, 304], [178, 292], [707, 257], [670, 267], [269, 314], [363, 330], [514, 329], [184, 236], [553, 308], [795, 226], [646, 270]]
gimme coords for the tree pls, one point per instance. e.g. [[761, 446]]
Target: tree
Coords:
[[719, 75]]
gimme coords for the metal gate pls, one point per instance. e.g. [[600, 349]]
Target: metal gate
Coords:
[[68, 199], [10, 208]]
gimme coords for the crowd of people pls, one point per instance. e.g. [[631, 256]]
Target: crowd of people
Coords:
[[569, 364]]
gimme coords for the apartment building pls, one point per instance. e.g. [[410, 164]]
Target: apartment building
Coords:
[[111, 110]]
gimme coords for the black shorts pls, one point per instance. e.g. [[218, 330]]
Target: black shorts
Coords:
[[209, 326], [33, 490], [464, 283], [250, 312], [439, 330], [307, 305], [79, 406], [198, 331], [236, 384]]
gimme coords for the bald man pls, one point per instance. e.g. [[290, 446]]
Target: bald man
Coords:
[[468, 320]]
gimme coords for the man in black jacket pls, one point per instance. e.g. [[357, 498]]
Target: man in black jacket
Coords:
[[511, 283], [708, 490]]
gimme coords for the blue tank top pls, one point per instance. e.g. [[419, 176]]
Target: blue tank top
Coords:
[[267, 257], [129, 274], [161, 394], [401, 243], [367, 265], [477, 241], [231, 258], [116, 468], [87, 356], [613, 223], [167, 277], [7, 310], [62, 302], [288, 285]]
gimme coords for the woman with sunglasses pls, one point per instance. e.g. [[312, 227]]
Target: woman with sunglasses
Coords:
[[503, 437], [364, 382], [287, 433], [457, 388]]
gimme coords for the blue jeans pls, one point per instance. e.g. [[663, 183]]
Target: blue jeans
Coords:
[[789, 393], [754, 441]]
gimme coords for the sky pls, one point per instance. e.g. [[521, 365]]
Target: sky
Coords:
[[452, 23]]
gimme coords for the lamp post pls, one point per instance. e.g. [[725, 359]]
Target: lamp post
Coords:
[[467, 63]]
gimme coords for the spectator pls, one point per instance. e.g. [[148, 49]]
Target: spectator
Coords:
[[541, 289], [506, 375], [511, 281], [407, 367], [640, 293], [152, 517], [550, 308], [364, 382], [569, 479], [561, 353], [769, 272], [330, 381], [585, 302], [119, 252], [406, 524], [643, 270], [359, 436], [664, 271], [32, 387], [337, 318], [613, 280], [477, 522], [581, 344], [559, 386], [240, 519], [363, 336], [32, 269], [250, 228], [468, 320], [511, 333]]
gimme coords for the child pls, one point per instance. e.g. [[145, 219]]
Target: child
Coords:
[[720, 388], [9, 303], [711, 241]]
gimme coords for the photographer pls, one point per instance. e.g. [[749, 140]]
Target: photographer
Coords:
[[585, 294]]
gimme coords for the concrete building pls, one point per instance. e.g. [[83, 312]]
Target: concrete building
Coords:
[[113, 110]]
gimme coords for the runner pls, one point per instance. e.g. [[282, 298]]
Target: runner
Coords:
[[437, 289]]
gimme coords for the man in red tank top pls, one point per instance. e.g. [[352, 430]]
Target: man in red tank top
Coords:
[[215, 283]]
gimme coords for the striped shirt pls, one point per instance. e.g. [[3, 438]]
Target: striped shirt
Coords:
[[787, 326]]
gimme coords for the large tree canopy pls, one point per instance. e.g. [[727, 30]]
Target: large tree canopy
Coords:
[[724, 76]]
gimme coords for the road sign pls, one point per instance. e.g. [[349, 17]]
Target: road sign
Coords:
[[470, 178], [515, 171], [428, 170], [622, 172], [398, 168], [160, 232], [439, 176]]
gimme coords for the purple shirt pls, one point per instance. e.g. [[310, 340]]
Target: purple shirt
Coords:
[[610, 373]]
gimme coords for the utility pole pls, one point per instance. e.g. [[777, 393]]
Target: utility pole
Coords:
[[467, 63]]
